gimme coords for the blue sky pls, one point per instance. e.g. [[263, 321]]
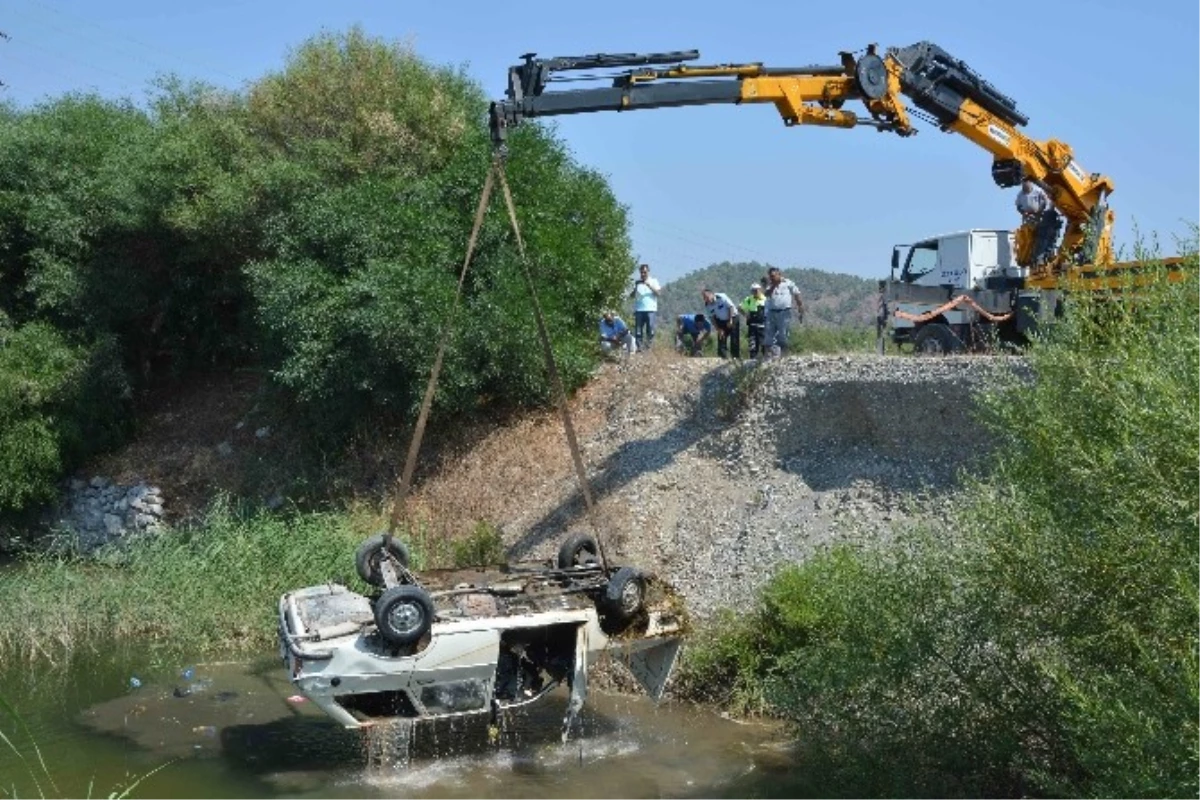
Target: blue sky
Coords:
[[1115, 79]]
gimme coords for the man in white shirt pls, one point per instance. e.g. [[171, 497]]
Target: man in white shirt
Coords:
[[725, 318], [1037, 210], [1032, 200], [645, 307], [783, 299]]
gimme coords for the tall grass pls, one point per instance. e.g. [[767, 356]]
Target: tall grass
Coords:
[[805, 339], [1045, 643], [209, 588]]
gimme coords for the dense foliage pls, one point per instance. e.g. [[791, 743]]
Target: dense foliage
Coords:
[[1046, 643], [312, 225]]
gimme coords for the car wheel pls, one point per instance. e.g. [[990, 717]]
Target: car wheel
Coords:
[[579, 549], [369, 554], [624, 596], [404, 614]]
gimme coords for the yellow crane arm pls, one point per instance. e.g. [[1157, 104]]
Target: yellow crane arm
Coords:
[[959, 101], [948, 93]]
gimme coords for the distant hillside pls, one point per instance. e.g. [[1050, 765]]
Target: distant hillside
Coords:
[[830, 299]]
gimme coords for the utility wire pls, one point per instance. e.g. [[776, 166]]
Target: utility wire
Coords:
[[110, 32]]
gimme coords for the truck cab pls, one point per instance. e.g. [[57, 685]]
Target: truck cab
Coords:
[[957, 291], [974, 259]]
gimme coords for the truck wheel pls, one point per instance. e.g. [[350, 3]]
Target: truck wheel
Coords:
[[625, 596], [579, 549], [369, 554], [935, 339], [404, 614]]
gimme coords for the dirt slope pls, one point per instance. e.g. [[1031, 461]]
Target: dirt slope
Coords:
[[709, 474], [715, 478]]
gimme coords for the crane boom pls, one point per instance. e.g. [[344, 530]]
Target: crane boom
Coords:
[[949, 93]]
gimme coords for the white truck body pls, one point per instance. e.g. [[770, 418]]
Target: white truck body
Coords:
[[927, 277]]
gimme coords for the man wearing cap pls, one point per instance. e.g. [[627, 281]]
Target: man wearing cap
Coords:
[[726, 319], [754, 308]]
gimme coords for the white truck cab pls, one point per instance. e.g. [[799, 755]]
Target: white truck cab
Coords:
[[973, 259], [957, 291]]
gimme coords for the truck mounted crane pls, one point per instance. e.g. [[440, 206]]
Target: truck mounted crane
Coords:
[[944, 91], [966, 290]]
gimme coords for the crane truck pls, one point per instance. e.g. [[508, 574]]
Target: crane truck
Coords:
[[957, 291]]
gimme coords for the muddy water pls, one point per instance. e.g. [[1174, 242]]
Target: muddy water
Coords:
[[237, 730]]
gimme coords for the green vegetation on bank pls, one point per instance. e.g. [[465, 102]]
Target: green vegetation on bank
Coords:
[[210, 588], [1046, 643], [311, 226]]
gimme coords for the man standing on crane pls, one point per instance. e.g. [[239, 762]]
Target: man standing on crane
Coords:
[[1037, 210]]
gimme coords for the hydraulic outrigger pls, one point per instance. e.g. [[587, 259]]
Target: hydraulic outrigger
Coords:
[[943, 89]]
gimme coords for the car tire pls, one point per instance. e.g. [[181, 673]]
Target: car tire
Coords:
[[579, 548], [369, 554], [404, 614], [625, 596]]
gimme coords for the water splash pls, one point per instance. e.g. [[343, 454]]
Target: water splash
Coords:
[[388, 745]]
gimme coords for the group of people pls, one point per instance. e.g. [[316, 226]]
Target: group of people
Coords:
[[615, 334], [770, 307], [768, 312]]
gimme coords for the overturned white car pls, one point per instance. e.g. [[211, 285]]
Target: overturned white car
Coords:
[[459, 642]]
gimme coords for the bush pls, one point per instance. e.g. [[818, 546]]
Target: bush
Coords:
[[313, 224], [1046, 642], [59, 403], [364, 267]]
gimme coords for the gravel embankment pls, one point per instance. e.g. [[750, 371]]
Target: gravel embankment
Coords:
[[714, 494]]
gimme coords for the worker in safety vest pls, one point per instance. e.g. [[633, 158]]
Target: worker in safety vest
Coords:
[[754, 308]]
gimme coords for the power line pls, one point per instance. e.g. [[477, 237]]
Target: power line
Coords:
[[108, 33], [125, 81], [699, 235]]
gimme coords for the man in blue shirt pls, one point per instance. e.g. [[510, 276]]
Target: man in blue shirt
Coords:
[[645, 307], [696, 328], [614, 333]]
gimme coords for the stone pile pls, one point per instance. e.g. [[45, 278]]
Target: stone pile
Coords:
[[97, 512]]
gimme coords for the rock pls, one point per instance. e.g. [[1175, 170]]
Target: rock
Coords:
[[263, 432], [112, 525], [225, 449], [98, 482], [77, 485]]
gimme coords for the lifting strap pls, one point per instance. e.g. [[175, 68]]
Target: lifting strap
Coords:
[[496, 169], [411, 461]]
